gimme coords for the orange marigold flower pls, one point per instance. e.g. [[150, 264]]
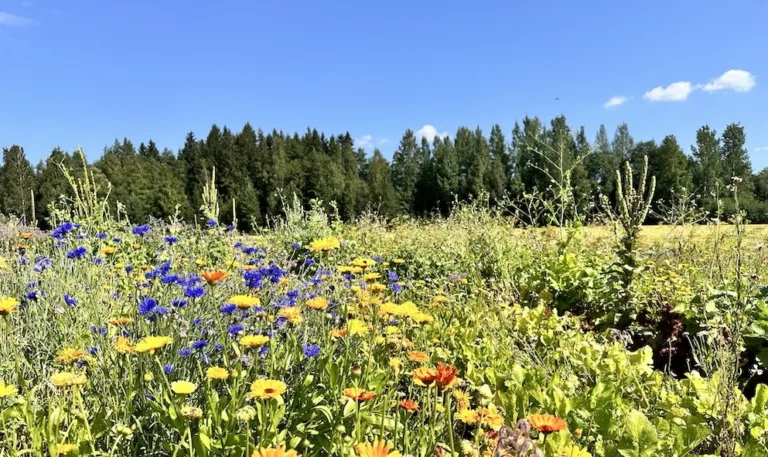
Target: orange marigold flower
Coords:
[[418, 356], [409, 405], [424, 375], [378, 448], [318, 303], [446, 376], [338, 333], [214, 276], [274, 452], [546, 423], [26, 235], [358, 394]]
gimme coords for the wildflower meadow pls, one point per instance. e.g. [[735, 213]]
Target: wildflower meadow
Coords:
[[468, 335]]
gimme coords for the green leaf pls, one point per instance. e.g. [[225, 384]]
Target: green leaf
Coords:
[[640, 436]]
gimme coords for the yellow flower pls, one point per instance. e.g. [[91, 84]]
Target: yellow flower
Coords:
[[7, 304], [490, 419], [253, 341], [378, 448], [388, 309], [6, 390], [318, 303], [65, 449], [468, 416], [153, 343], [371, 277], [357, 327], [217, 373], [574, 451], [120, 321], [68, 379], [191, 412], [376, 287], [407, 309], [324, 244], [440, 299], [123, 345], [108, 250], [292, 314], [183, 387], [274, 452], [68, 356], [267, 388], [423, 318], [395, 363], [363, 262], [398, 260], [462, 400], [244, 301]]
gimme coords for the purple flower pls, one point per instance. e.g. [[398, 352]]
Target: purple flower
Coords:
[[234, 329], [295, 246], [147, 306], [161, 310], [141, 230], [228, 308], [77, 253], [178, 303], [392, 276], [311, 350], [185, 352], [194, 292], [171, 240], [211, 223], [101, 236], [168, 369], [197, 321], [69, 300], [199, 344]]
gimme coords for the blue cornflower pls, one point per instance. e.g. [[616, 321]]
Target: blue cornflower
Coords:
[[235, 329], [171, 240], [211, 223], [147, 306], [253, 278], [263, 351], [77, 253], [293, 294], [396, 287], [392, 276], [178, 303], [62, 230], [98, 261], [141, 230], [128, 269], [93, 350], [161, 310], [219, 347], [170, 279], [117, 240], [309, 261], [82, 236], [197, 321], [228, 308], [295, 246], [248, 250], [199, 344], [69, 300], [230, 228], [33, 295], [238, 245], [311, 350], [185, 352], [394, 321], [377, 258], [168, 369], [59, 244], [194, 292], [101, 236]]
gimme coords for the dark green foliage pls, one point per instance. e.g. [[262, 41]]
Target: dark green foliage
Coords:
[[256, 171]]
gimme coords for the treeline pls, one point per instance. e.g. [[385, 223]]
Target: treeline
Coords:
[[256, 169]]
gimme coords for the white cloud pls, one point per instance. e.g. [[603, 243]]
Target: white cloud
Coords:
[[616, 101], [383, 140], [12, 20], [764, 148], [675, 92], [738, 80], [429, 132], [366, 141]]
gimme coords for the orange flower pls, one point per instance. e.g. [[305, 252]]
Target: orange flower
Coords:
[[214, 276], [20, 247], [318, 303], [376, 449], [409, 405], [274, 452], [446, 376], [358, 394], [546, 423], [424, 375], [26, 235], [338, 333], [418, 356]]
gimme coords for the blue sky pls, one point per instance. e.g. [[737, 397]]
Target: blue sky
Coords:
[[85, 72]]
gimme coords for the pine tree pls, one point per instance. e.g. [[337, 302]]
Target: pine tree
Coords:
[[669, 164], [603, 164], [623, 143], [446, 173], [736, 161], [18, 181], [51, 182], [496, 178], [479, 162], [709, 164], [405, 171], [381, 192]]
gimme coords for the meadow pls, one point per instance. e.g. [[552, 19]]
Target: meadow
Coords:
[[467, 335]]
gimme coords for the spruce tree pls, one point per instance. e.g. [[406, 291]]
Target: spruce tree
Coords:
[[18, 181]]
